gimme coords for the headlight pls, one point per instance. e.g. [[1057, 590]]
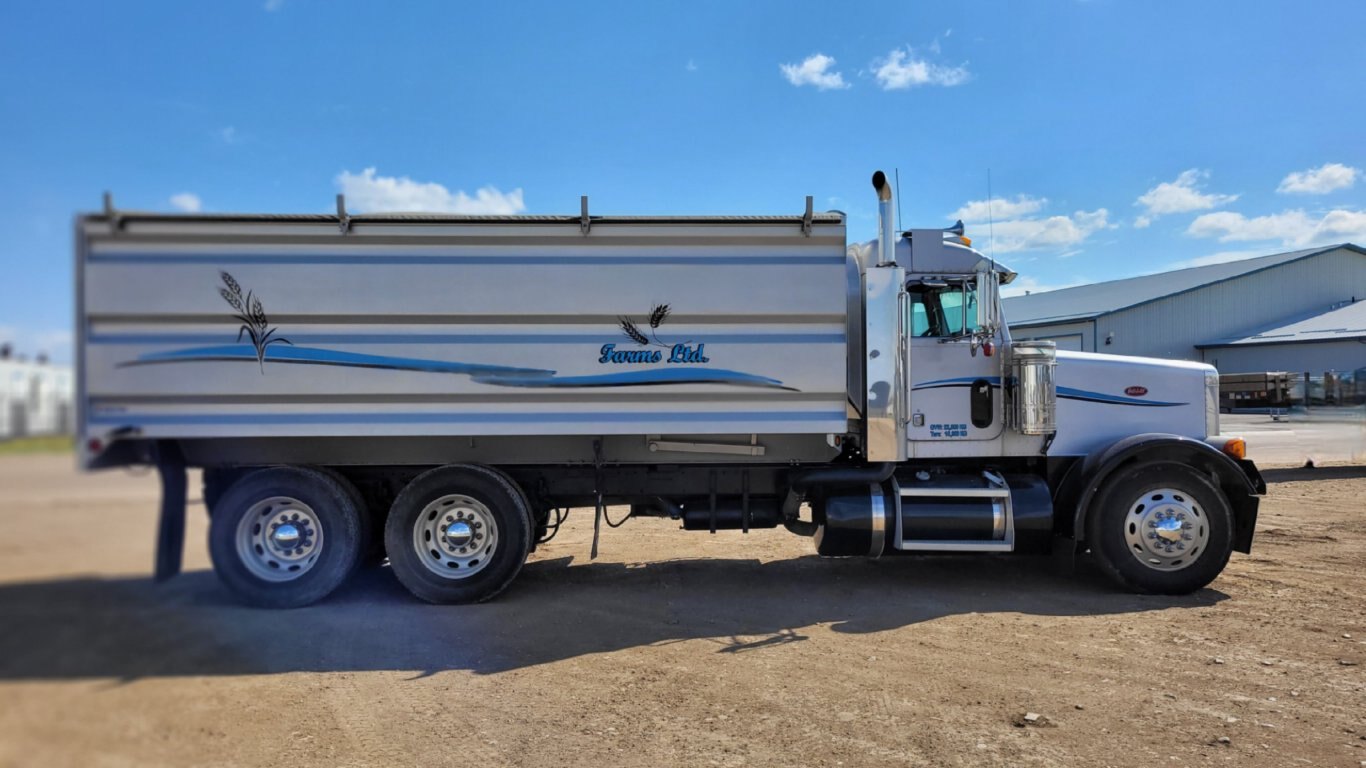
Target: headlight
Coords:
[[1211, 402]]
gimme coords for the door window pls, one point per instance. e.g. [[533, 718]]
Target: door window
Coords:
[[941, 310]]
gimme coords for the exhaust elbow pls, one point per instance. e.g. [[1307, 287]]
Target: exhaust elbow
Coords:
[[880, 185], [886, 248]]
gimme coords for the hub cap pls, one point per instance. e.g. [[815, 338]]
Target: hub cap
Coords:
[[455, 536], [279, 539], [1166, 530]]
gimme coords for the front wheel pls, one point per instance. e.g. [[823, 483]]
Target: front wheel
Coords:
[[458, 534], [1161, 529]]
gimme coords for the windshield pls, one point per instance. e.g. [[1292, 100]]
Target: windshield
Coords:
[[939, 310]]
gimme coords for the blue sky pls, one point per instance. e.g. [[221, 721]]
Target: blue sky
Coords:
[[1121, 137]]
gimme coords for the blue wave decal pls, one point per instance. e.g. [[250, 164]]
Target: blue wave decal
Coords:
[[315, 356], [1067, 393], [634, 378], [497, 375], [963, 381], [1100, 397]]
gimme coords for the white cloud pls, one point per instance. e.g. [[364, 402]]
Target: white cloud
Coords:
[[1062, 232], [999, 208], [1318, 181], [228, 134], [901, 70], [274, 5], [366, 191], [186, 201], [1022, 285], [1292, 228], [691, 66], [814, 70], [1180, 196]]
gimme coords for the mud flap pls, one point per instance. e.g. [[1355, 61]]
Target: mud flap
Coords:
[[171, 525]]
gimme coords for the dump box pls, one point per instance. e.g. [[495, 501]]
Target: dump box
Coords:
[[208, 327]]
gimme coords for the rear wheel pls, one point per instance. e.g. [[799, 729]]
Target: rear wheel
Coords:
[[371, 523], [458, 534], [1161, 529], [285, 537], [216, 482]]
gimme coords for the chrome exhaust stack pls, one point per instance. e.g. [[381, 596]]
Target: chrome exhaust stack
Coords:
[[884, 307], [886, 242]]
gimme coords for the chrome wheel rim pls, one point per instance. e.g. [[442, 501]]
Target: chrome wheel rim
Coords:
[[279, 539], [455, 536], [1166, 529]]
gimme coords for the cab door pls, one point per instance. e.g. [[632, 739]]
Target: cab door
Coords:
[[954, 385]]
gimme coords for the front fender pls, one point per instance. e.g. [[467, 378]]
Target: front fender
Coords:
[[1238, 479]]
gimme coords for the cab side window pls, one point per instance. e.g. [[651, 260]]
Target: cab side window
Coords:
[[939, 310]]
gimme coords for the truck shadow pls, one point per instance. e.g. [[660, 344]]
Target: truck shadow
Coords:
[[1297, 474], [131, 628]]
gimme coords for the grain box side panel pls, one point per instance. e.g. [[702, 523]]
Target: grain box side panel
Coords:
[[675, 329]]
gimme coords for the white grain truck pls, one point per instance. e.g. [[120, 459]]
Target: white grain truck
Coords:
[[442, 389]]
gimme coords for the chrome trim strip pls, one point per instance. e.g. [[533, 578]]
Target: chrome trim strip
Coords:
[[878, 530]]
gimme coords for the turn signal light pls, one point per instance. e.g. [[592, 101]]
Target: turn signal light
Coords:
[[1237, 448]]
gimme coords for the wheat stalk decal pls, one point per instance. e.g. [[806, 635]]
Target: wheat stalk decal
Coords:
[[252, 315], [658, 315], [632, 332]]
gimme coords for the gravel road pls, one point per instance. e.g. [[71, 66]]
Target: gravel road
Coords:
[[678, 648]]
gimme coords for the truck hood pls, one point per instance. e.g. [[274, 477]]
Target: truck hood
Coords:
[[1119, 378], [1102, 398]]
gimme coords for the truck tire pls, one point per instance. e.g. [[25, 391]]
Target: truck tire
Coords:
[[1161, 529], [372, 532], [458, 534], [216, 482], [285, 537]]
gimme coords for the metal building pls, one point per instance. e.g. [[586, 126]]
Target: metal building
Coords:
[[36, 398], [1319, 342], [1224, 314]]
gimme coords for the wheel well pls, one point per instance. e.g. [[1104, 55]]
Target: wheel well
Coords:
[[1080, 485]]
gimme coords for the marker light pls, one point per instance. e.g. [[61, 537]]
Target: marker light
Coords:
[[966, 240], [1237, 448]]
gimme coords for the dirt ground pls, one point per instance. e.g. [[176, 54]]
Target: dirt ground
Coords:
[[678, 648]]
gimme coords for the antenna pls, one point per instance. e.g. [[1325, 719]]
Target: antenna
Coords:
[[897, 171], [991, 223]]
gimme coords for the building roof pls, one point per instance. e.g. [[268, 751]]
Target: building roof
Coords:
[[1344, 323], [1087, 301]]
